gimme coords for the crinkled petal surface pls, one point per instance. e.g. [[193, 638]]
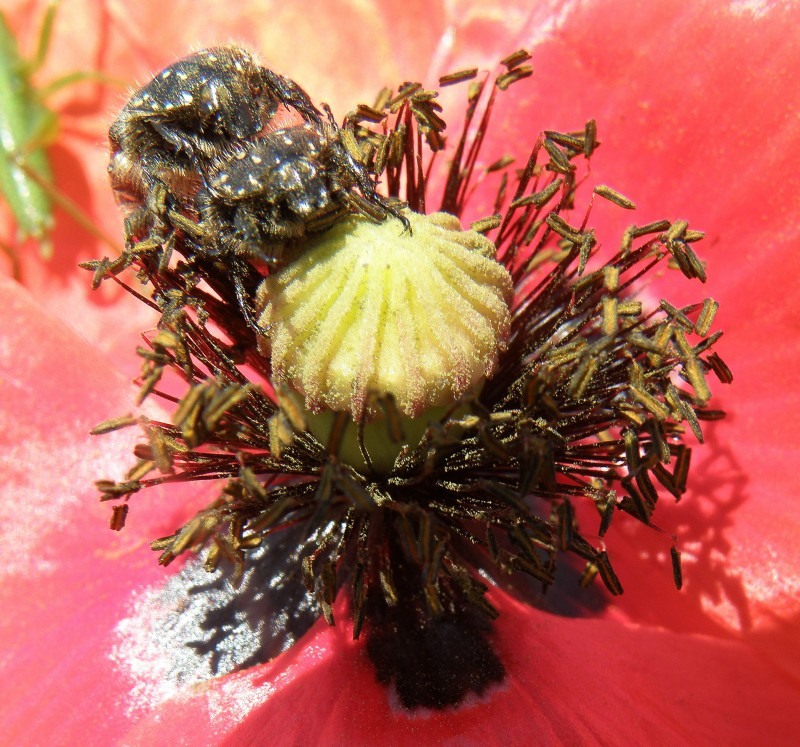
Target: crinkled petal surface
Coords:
[[697, 108], [697, 114], [698, 117], [72, 581]]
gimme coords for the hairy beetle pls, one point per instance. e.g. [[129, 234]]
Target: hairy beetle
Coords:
[[288, 183], [219, 157], [192, 112]]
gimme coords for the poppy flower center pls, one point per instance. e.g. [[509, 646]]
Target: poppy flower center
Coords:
[[423, 409]]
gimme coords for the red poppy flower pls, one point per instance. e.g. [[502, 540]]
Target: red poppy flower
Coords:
[[698, 115]]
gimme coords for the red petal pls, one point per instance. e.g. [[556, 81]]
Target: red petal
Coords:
[[569, 682], [60, 684], [697, 106], [66, 577]]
